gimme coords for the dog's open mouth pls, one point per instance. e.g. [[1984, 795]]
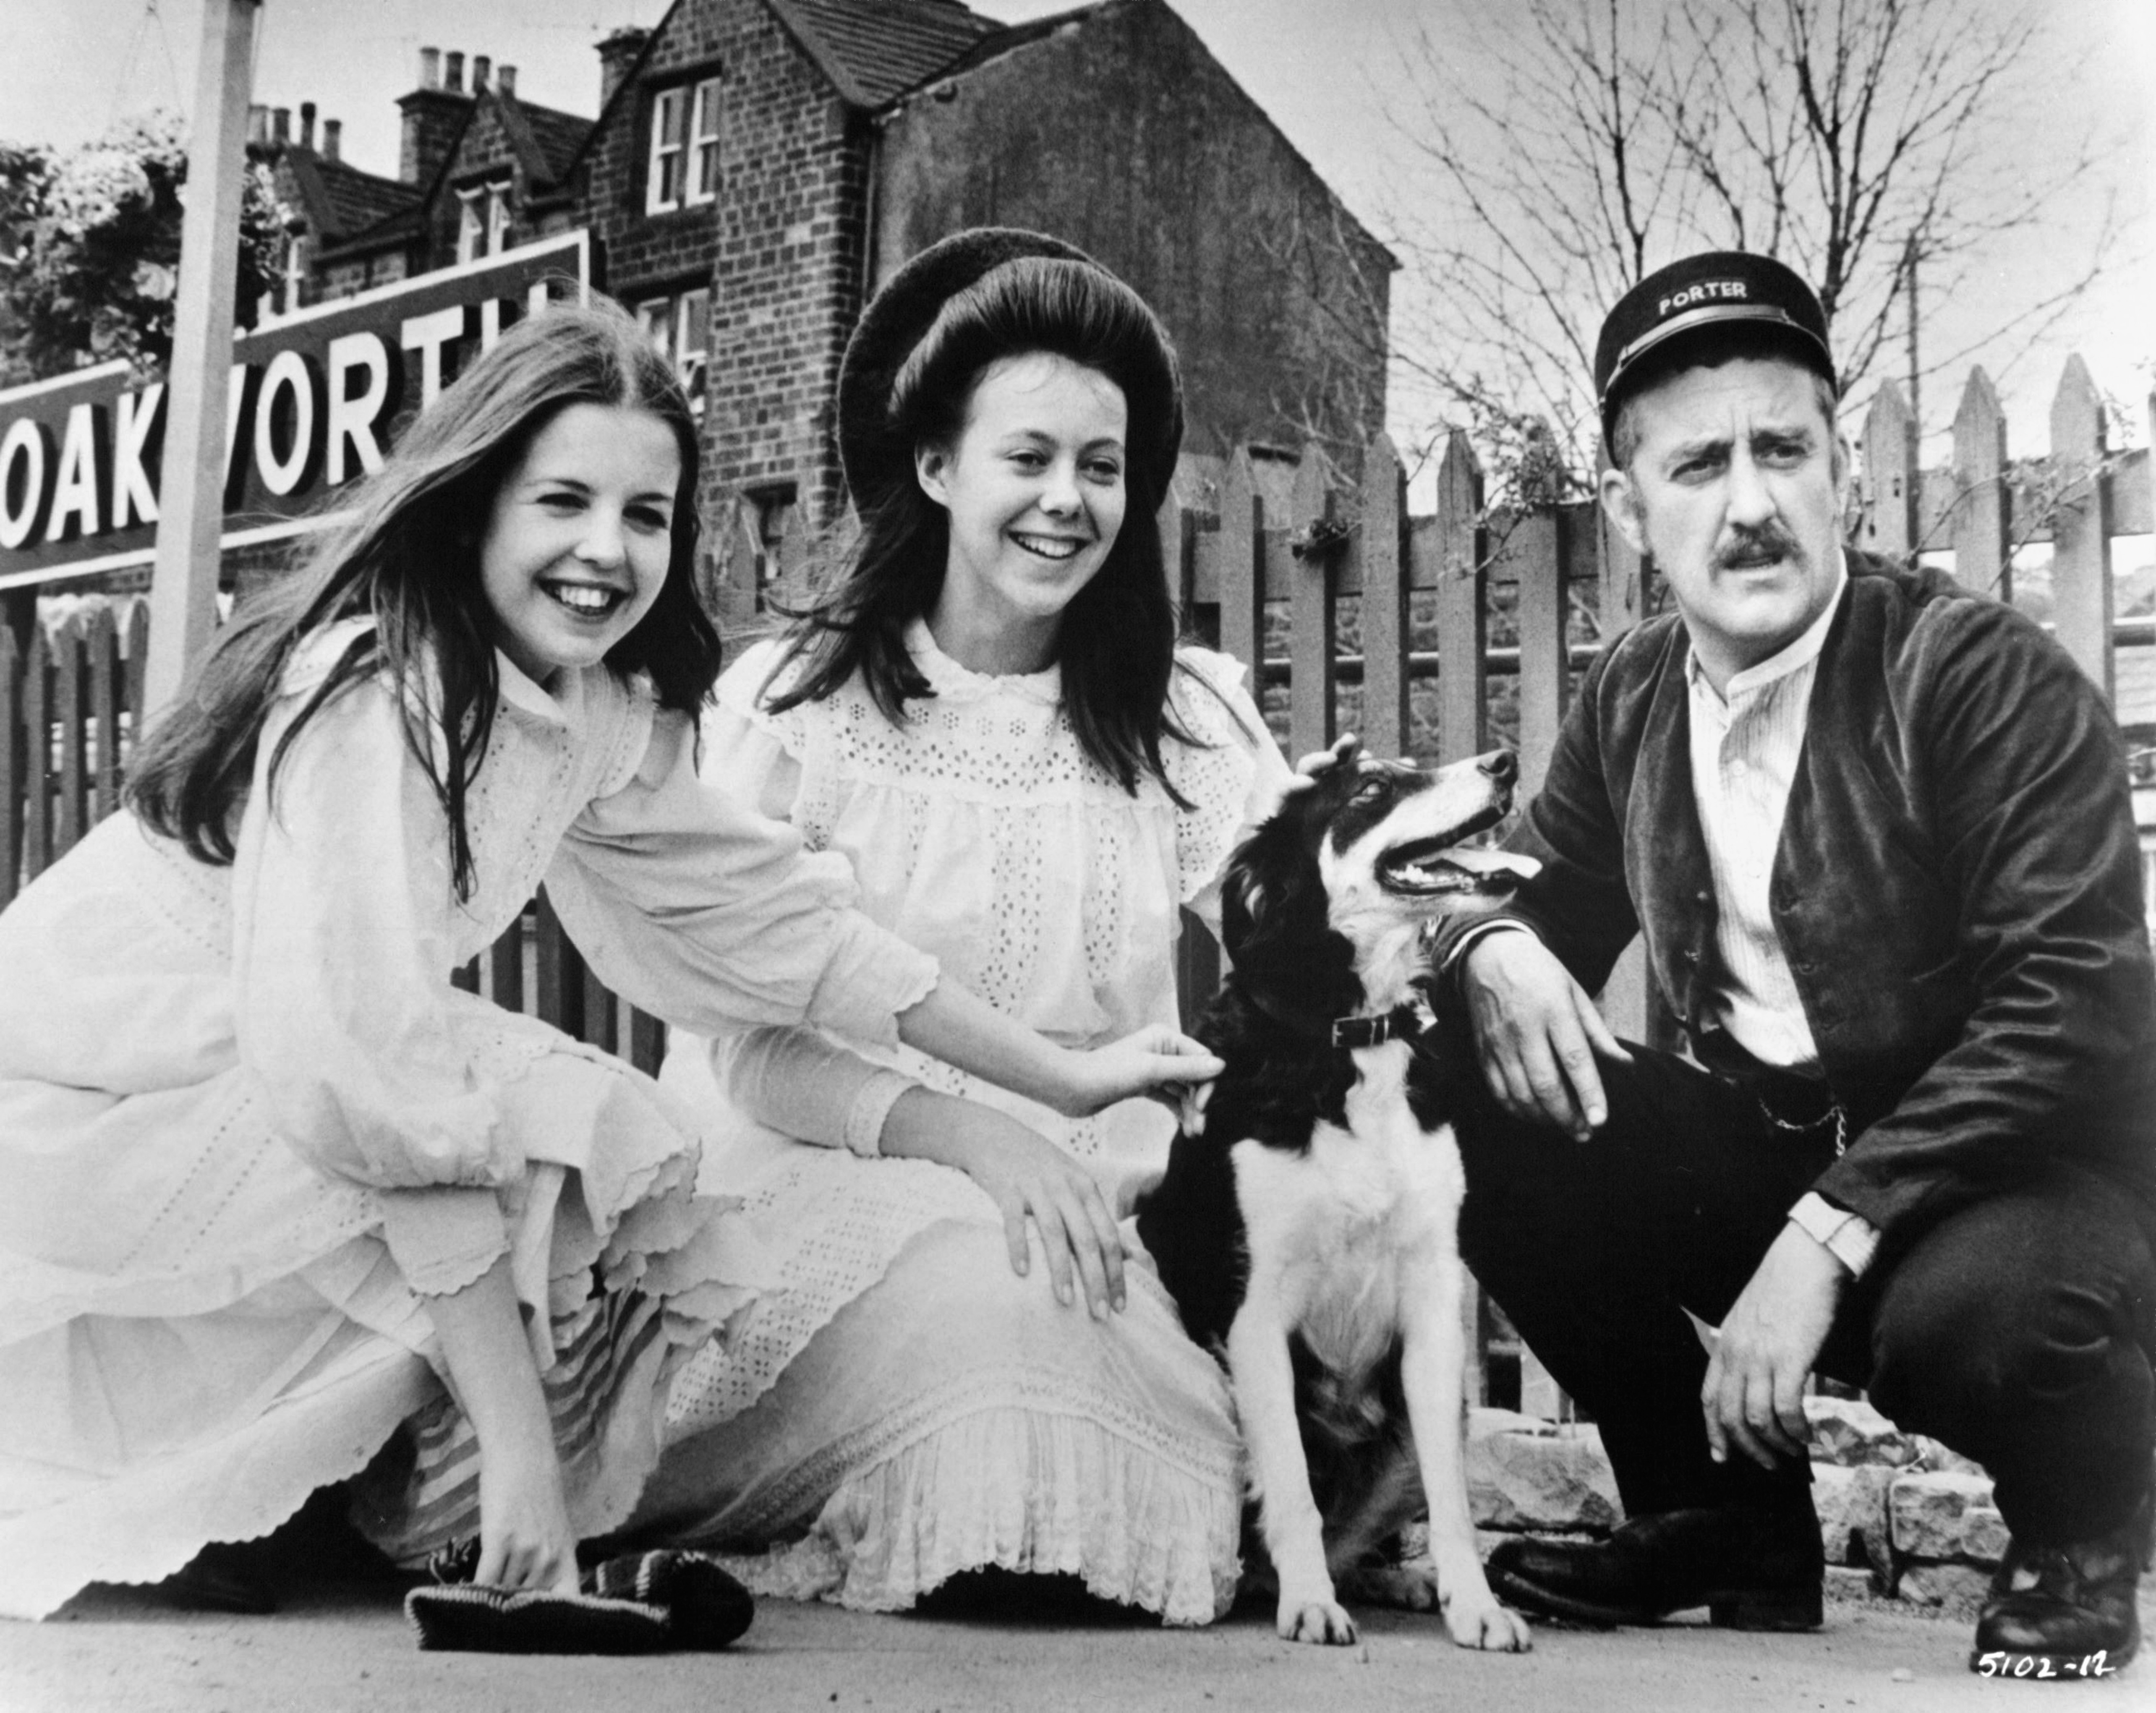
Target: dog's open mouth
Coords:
[[1431, 867]]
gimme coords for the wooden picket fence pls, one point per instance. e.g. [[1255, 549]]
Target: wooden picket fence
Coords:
[[1976, 512]]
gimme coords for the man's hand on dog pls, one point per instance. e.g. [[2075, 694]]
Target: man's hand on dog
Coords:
[[1754, 1395], [1536, 1032]]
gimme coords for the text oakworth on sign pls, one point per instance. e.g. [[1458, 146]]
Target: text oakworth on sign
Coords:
[[315, 399]]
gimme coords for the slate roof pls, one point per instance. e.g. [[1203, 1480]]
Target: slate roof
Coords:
[[340, 199], [550, 138], [874, 51]]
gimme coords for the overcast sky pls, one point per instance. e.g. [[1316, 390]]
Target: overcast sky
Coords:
[[1326, 70]]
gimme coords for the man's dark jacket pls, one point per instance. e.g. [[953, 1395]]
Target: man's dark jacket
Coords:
[[1957, 890]]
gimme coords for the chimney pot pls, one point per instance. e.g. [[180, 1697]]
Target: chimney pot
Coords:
[[482, 67], [504, 79], [453, 72], [307, 124], [280, 125], [430, 68], [332, 139]]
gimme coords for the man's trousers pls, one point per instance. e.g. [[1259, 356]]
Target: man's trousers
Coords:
[[2017, 1330]]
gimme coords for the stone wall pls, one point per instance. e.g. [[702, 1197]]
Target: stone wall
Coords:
[[1900, 1516]]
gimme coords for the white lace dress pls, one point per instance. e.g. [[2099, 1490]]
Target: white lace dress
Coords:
[[247, 1126], [901, 1406]]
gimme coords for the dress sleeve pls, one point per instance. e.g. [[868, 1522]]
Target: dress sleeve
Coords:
[[340, 897], [713, 917], [1234, 780], [795, 1079]]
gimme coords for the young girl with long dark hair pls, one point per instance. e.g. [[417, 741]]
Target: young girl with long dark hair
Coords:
[[277, 1201], [989, 715]]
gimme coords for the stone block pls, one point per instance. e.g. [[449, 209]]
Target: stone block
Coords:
[[1945, 1516], [1844, 1582], [1851, 1500], [1539, 1477], [1935, 1455], [1848, 1431], [1955, 1589]]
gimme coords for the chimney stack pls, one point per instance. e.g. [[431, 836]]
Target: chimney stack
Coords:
[[617, 53], [307, 124], [280, 125], [257, 124], [332, 139], [504, 80], [481, 67], [434, 115]]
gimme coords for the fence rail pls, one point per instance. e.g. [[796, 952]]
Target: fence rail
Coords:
[[1429, 635]]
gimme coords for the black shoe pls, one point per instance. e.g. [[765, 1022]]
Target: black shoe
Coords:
[[2066, 1611], [1753, 1567], [706, 1607]]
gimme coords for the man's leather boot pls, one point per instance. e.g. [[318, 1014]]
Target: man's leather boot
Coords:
[[1753, 1566], [2066, 1605]]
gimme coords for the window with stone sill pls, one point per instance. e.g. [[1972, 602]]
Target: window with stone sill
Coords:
[[679, 325], [684, 161]]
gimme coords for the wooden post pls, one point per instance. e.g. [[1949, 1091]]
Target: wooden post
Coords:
[[1242, 567], [107, 697], [1890, 474], [1983, 507], [2081, 527], [1311, 613], [191, 491], [37, 755], [1532, 549], [1461, 578], [1385, 642], [71, 703]]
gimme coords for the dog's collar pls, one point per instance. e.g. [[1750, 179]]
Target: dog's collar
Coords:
[[1402, 1022]]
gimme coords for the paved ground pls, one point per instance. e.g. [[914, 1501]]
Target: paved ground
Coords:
[[346, 1651]]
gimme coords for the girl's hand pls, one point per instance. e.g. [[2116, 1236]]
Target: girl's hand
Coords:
[[1025, 1175], [525, 1541], [1155, 1060], [524, 1536]]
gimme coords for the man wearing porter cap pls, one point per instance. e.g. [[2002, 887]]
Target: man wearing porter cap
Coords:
[[1875, 830]]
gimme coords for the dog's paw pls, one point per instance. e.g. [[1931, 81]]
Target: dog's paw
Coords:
[[1316, 1620], [1484, 1624]]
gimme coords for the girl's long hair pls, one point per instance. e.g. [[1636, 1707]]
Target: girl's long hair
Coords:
[[407, 555], [1116, 643]]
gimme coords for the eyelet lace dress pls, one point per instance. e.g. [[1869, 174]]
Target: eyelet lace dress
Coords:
[[901, 1406], [247, 1128]]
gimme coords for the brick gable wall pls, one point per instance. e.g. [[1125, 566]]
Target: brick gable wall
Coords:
[[781, 247]]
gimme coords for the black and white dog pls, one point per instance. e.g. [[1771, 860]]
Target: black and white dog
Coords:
[[1310, 1233]]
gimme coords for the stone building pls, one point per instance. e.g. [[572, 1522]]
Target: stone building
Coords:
[[757, 166]]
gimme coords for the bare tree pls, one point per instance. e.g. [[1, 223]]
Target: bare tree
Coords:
[[1558, 158]]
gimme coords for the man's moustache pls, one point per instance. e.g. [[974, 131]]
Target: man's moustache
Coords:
[[1766, 545]]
